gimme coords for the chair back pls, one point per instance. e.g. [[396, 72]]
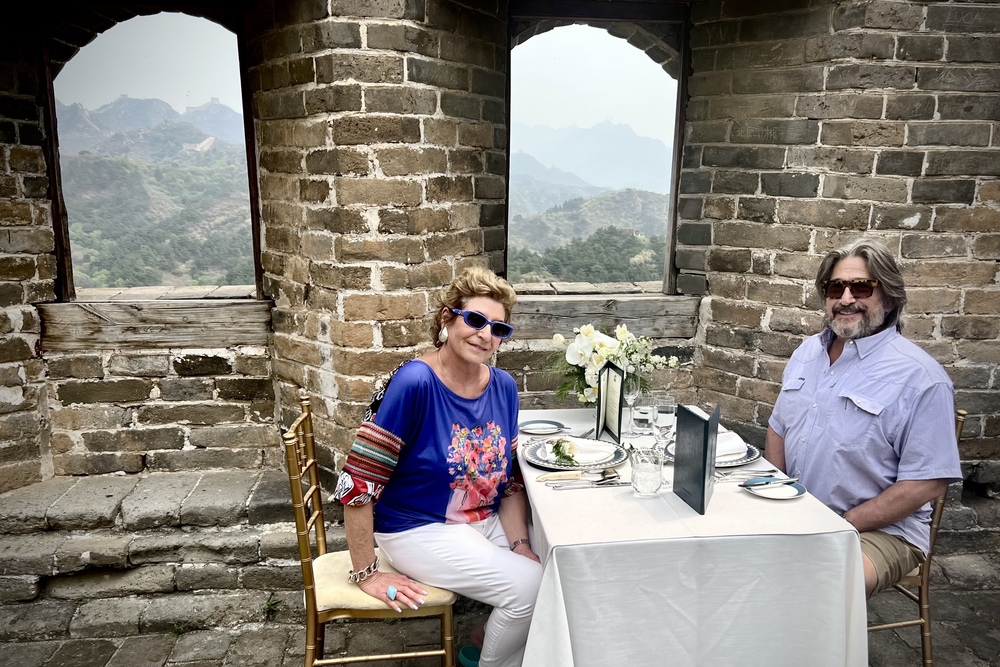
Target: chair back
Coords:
[[307, 496], [960, 416]]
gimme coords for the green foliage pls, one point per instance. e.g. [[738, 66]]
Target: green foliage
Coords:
[[134, 224], [610, 254]]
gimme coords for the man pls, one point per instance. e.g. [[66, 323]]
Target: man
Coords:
[[865, 418]]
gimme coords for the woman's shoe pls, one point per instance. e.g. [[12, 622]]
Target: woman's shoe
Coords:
[[469, 656]]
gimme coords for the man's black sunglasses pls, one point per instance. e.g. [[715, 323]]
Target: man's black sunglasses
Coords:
[[861, 288], [477, 321]]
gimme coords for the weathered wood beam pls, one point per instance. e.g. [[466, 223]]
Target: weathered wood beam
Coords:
[[653, 315], [154, 324]]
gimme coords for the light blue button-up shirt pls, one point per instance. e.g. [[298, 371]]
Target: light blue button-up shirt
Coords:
[[883, 412]]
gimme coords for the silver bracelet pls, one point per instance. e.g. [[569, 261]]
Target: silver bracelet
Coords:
[[517, 543], [361, 575]]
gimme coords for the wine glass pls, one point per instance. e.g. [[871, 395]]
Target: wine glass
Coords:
[[632, 387]]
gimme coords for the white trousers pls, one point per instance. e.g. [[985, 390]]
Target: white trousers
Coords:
[[474, 560]]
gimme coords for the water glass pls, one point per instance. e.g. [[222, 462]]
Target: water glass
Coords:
[[664, 417], [642, 415], [647, 470]]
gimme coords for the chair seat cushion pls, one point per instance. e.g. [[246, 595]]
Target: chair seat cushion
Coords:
[[334, 591]]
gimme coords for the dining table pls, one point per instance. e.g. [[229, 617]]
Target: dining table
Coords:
[[638, 581]]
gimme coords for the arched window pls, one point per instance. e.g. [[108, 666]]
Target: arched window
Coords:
[[593, 146], [153, 160]]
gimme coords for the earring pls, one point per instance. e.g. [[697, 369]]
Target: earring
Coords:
[[443, 335]]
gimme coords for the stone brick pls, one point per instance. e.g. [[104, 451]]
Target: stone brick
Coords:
[[187, 389], [406, 38], [384, 306], [775, 293], [707, 132], [690, 259], [439, 74], [197, 611], [337, 220], [413, 221], [867, 76], [694, 233], [971, 327], [920, 47], [840, 160], [910, 107], [944, 191], [133, 440], [104, 391], [739, 314], [136, 581], [734, 182], [19, 588], [710, 83], [364, 130], [689, 208], [75, 366], [968, 107], [331, 34], [840, 105], [139, 365], [692, 284], [204, 459], [986, 246], [400, 99], [862, 133], [948, 134], [377, 192], [201, 576], [750, 235], [965, 163], [419, 276], [719, 208], [951, 78], [965, 219], [756, 209], [407, 250], [963, 19], [35, 621], [901, 217], [201, 364], [901, 163], [949, 274], [442, 131], [790, 184], [824, 213], [982, 302], [915, 246], [449, 188], [744, 157], [338, 161], [933, 300], [402, 161], [235, 436], [245, 389], [342, 66], [864, 187], [195, 413], [477, 134], [98, 464]]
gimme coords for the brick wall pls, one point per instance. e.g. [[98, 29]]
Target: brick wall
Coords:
[[27, 270], [381, 133], [813, 126], [162, 410]]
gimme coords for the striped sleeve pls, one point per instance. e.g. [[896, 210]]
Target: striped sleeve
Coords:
[[373, 457]]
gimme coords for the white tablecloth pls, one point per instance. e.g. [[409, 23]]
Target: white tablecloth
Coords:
[[648, 581]]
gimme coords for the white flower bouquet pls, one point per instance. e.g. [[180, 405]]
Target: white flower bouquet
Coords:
[[590, 349]]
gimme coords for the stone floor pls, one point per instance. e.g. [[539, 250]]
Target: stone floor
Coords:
[[966, 634]]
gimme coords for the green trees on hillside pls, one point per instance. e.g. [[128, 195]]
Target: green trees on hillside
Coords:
[[134, 224], [610, 254]]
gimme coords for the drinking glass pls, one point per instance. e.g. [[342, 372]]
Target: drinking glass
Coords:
[[664, 415], [632, 387], [642, 414], [647, 469]]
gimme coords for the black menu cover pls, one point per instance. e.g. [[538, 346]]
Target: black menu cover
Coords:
[[694, 456]]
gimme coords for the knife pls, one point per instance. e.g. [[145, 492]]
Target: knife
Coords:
[[566, 474], [588, 485], [753, 483]]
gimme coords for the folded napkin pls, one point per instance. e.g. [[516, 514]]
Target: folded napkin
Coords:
[[729, 445], [587, 451]]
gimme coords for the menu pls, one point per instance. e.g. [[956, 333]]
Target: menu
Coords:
[[694, 456], [610, 388]]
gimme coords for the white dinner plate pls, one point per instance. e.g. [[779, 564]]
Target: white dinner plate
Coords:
[[751, 455], [778, 491], [536, 453], [540, 427]]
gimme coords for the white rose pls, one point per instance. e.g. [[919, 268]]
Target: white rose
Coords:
[[559, 339]]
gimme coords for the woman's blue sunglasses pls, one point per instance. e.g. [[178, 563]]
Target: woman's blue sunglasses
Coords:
[[477, 321]]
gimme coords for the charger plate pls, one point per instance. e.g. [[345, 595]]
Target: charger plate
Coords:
[[534, 453], [778, 491], [752, 455]]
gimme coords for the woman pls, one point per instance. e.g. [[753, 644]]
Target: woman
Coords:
[[431, 474]]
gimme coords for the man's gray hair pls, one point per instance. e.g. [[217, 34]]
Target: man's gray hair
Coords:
[[881, 266]]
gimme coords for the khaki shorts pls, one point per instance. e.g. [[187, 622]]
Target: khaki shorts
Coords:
[[892, 556]]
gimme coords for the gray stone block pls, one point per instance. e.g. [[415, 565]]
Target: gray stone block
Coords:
[[104, 391], [78, 652], [149, 579], [262, 647], [92, 550], [147, 651], [156, 500], [969, 572], [212, 610], [19, 588], [196, 547], [271, 500], [29, 554], [110, 617], [32, 654], [201, 645], [200, 576], [23, 510], [199, 364], [139, 365], [203, 459], [272, 577], [91, 503], [236, 435], [219, 499], [46, 619]]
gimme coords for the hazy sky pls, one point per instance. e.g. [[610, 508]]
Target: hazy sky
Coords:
[[182, 60], [578, 75], [569, 76]]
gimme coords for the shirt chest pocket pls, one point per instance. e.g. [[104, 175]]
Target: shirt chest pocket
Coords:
[[856, 422]]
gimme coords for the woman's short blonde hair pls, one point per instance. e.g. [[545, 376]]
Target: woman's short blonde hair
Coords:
[[472, 282]]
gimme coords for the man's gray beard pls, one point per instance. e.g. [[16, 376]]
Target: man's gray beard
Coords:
[[865, 327]]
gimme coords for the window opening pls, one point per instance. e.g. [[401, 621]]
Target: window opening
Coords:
[[591, 159], [153, 158]]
